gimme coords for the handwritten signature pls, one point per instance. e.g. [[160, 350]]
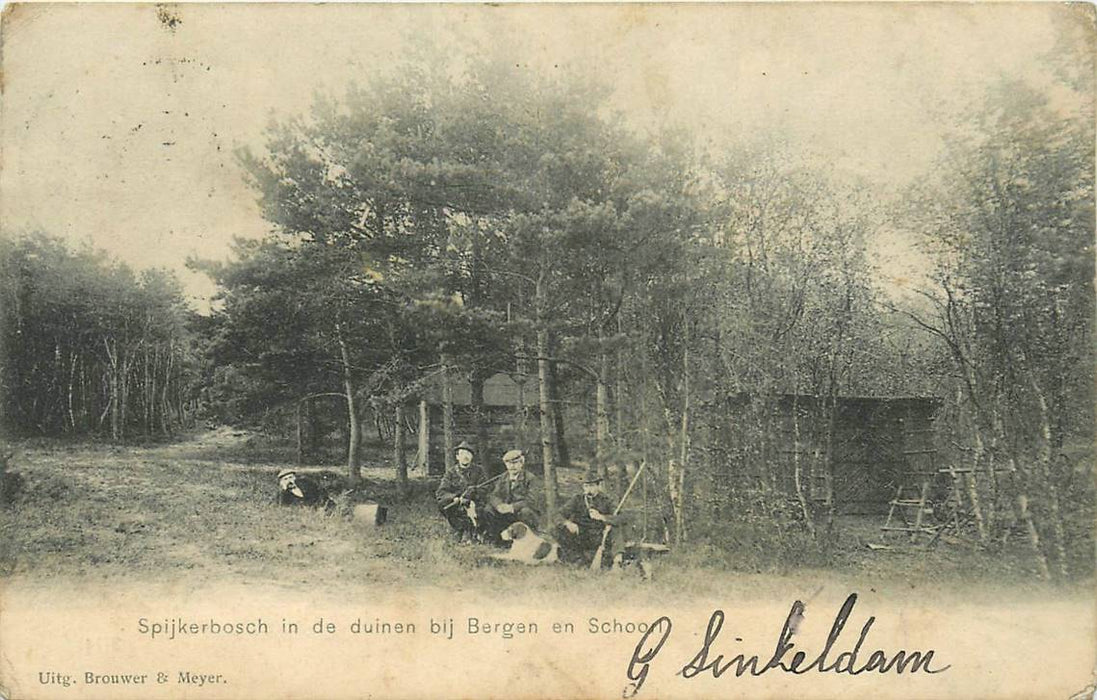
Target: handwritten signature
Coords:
[[846, 662]]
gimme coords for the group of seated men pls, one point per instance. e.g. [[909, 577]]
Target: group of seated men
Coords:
[[478, 509]]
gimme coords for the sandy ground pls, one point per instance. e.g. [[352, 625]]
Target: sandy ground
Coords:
[[107, 537]]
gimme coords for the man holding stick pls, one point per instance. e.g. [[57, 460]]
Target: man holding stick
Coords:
[[587, 526], [461, 495]]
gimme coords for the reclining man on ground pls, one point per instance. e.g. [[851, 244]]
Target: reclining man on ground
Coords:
[[461, 496], [587, 523], [301, 490], [513, 499]]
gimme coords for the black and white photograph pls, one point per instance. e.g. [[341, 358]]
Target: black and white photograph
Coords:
[[547, 350]]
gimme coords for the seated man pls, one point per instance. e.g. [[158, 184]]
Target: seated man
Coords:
[[512, 499], [587, 517], [460, 495], [300, 490]]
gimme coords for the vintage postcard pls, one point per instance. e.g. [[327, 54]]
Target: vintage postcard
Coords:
[[547, 351]]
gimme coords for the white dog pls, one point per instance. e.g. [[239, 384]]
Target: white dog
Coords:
[[527, 546]]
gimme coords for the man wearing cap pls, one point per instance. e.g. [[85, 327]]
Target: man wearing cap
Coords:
[[460, 495], [513, 498], [300, 490], [585, 518]]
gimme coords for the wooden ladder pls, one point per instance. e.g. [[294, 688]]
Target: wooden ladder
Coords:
[[919, 455], [904, 507]]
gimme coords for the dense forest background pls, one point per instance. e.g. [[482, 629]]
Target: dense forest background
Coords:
[[445, 225]]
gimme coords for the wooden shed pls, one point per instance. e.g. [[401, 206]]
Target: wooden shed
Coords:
[[860, 449], [508, 413]]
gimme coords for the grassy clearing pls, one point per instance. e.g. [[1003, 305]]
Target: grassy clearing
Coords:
[[190, 512]]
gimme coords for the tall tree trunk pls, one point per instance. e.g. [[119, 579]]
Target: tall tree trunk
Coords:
[[971, 483], [479, 414], [828, 468], [544, 382], [1044, 460], [1033, 535], [674, 492], [643, 420], [72, 379], [559, 438], [972, 486], [423, 454], [85, 407], [167, 419], [300, 434], [146, 417], [546, 423], [520, 408], [57, 414], [448, 443], [521, 377], [797, 468], [312, 430], [672, 434], [353, 423], [115, 392], [125, 382], [619, 388], [398, 448], [601, 417], [678, 475], [156, 418]]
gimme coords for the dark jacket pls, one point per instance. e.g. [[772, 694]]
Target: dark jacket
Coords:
[[577, 510], [521, 493], [313, 494], [458, 483]]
